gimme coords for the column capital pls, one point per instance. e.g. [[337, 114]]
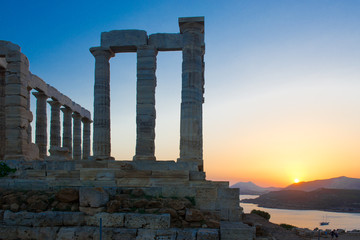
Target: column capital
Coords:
[[66, 109], [191, 24], [102, 51], [76, 115], [86, 120], [54, 103], [40, 95]]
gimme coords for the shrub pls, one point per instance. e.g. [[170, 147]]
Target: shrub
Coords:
[[5, 169], [263, 214], [287, 226]]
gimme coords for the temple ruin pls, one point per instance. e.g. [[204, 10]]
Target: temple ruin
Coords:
[[140, 198]]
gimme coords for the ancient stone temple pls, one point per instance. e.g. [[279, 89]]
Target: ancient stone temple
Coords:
[[71, 194]]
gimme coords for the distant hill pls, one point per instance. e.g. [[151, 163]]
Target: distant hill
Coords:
[[251, 188], [339, 200], [332, 183]]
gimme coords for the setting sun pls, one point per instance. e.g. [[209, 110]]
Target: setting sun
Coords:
[[296, 180]]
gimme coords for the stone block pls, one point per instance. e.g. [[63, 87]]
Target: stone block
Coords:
[[8, 232], [228, 193], [66, 233], [196, 175], [235, 214], [36, 174], [208, 234], [227, 203], [124, 40], [169, 234], [148, 221], [186, 234], [16, 89], [146, 234], [133, 182], [178, 191], [166, 41], [73, 218], [206, 203], [93, 197], [91, 211], [115, 220], [206, 193], [124, 234], [236, 230], [55, 174], [177, 174], [89, 233]]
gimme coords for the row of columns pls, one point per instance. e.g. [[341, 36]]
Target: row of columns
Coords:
[[71, 137], [191, 143]]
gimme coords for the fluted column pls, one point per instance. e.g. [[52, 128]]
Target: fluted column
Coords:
[[101, 125], [77, 136], [67, 128], [145, 107], [41, 123], [86, 138], [2, 113], [55, 138], [191, 143]]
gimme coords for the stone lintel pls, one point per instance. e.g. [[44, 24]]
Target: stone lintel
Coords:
[[191, 22], [106, 51], [124, 40], [166, 41]]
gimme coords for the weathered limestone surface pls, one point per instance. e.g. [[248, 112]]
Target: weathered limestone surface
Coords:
[[41, 123], [145, 107], [123, 40], [166, 41], [2, 112], [86, 138], [101, 137], [77, 136], [67, 128], [192, 91], [55, 137], [236, 231]]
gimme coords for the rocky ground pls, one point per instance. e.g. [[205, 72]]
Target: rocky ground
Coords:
[[266, 230]]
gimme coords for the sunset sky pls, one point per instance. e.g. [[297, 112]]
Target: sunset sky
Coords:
[[282, 79]]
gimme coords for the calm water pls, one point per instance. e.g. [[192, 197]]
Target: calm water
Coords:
[[307, 218]]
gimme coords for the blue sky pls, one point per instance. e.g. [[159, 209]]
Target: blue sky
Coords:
[[282, 78]]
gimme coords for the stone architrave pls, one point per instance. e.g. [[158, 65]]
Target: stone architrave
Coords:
[[191, 143], [101, 125], [2, 112], [145, 107], [67, 128], [77, 136], [55, 137], [41, 123], [86, 138]]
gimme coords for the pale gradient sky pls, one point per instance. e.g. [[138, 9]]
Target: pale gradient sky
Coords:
[[282, 79]]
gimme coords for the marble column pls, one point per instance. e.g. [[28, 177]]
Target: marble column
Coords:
[[145, 106], [86, 138], [2, 113], [67, 128], [77, 136], [55, 137], [191, 142], [101, 125], [41, 123]]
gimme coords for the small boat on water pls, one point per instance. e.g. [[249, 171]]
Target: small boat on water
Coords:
[[324, 222]]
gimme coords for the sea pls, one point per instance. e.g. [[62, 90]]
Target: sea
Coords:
[[307, 218]]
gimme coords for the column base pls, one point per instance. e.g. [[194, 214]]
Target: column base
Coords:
[[199, 162], [144, 158]]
